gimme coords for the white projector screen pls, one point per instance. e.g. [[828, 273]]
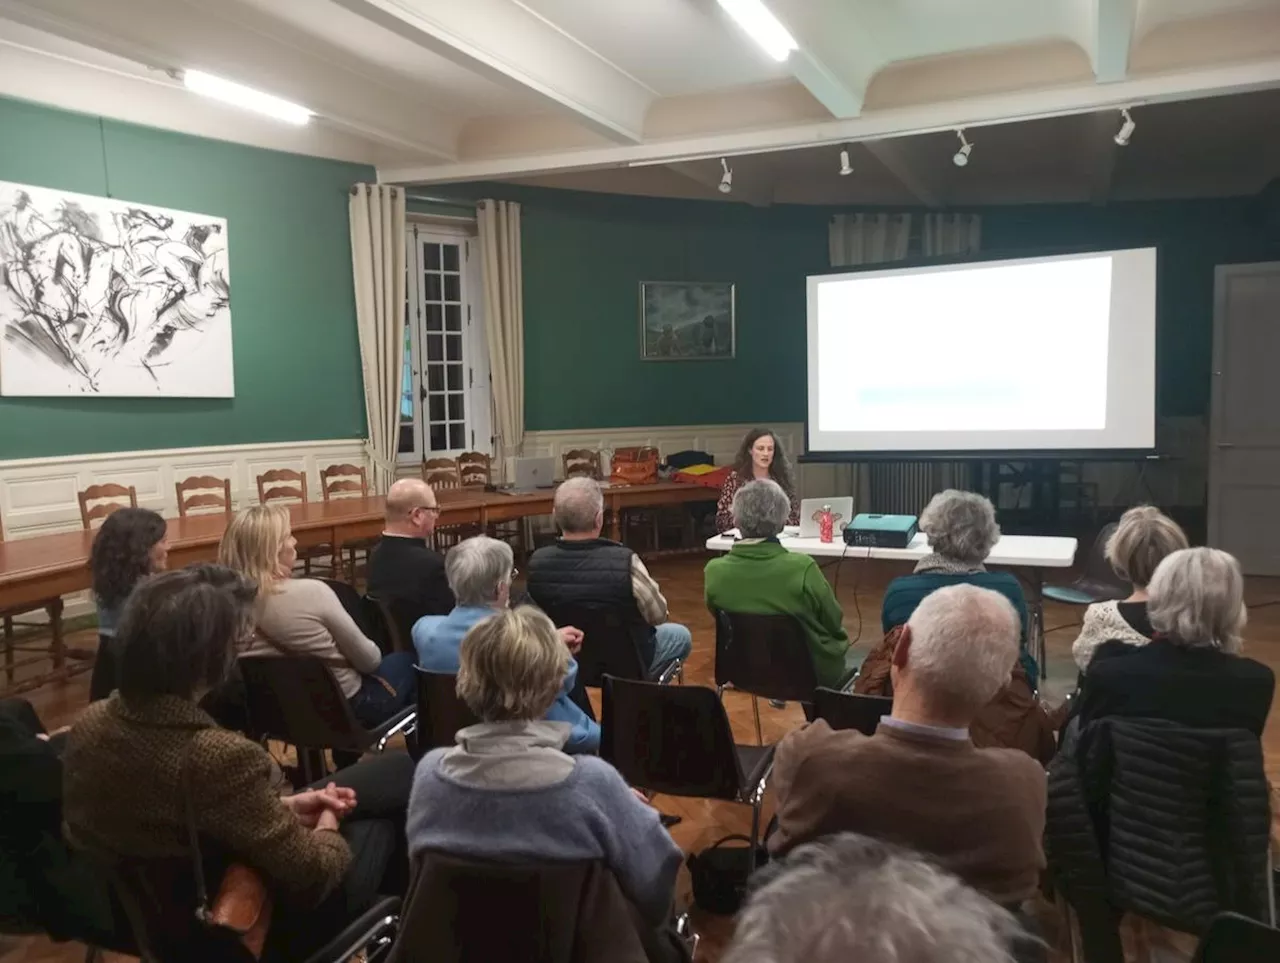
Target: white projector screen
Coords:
[[1047, 354]]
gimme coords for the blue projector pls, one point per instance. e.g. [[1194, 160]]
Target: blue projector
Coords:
[[880, 531]]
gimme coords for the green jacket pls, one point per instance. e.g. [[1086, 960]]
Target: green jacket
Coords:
[[763, 578]]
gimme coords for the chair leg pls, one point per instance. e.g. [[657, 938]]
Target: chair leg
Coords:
[[755, 709], [9, 668]]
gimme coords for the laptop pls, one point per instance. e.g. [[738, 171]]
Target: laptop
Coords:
[[534, 474], [841, 508]]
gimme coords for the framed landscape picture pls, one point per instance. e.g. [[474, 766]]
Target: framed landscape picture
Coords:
[[686, 321]]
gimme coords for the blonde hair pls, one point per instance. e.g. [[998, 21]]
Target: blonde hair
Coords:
[[252, 542], [512, 665], [1144, 538]]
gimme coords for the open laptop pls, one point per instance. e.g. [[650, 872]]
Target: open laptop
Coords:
[[533, 474], [841, 508]]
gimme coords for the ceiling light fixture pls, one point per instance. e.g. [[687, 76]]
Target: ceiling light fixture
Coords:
[[845, 167], [1126, 129], [726, 179], [961, 157], [245, 97], [762, 26]]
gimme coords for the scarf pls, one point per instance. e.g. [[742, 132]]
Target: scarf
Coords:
[[942, 565]]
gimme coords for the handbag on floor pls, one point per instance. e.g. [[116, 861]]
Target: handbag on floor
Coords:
[[719, 874]]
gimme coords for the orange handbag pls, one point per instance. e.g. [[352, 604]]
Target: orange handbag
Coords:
[[634, 466]]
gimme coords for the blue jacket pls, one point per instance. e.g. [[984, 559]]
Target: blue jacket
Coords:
[[437, 640]]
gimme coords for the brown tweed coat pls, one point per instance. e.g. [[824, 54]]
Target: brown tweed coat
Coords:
[[121, 794]]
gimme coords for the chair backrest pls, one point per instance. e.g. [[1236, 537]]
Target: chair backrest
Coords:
[[398, 617], [474, 469], [440, 712], [441, 473], [296, 699], [546, 913], [369, 622], [1233, 938], [611, 639], [106, 500], [766, 655], [344, 481], [846, 710], [669, 738], [1098, 570], [203, 491], [582, 461], [282, 484]]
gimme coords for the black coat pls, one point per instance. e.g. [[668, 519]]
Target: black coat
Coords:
[[1163, 820], [407, 570]]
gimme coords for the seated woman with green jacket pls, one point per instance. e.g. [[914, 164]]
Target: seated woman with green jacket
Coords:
[[760, 577]]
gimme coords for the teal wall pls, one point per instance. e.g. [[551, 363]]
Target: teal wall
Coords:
[[297, 360]]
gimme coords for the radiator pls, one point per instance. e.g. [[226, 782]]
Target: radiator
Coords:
[[905, 487]]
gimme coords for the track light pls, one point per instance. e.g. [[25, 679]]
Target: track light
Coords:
[[1126, 129], [961, 157], [845, 167], [726, 179]]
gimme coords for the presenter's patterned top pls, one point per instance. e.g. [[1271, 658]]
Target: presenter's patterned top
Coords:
[[724, 508]]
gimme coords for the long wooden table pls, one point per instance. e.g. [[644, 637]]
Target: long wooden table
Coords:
[[49, 566]]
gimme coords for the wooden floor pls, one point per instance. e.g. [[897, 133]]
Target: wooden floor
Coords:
[[860, 586]]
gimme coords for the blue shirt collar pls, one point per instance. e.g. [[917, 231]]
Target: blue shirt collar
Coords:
[[920, 729]]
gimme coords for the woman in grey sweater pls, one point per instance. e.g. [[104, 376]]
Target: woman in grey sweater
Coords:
[[508, 791]]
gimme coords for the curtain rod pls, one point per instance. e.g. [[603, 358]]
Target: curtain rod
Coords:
[[429, 199]]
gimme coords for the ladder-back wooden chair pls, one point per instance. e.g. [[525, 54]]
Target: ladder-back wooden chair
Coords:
[[106, 499], [442, 475], [289, 486], [475, 470], [582, 461], [57, 649], [349, 481], [202, 492]]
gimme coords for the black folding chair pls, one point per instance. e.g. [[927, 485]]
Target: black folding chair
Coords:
[[1099, 583], [297, 700], [396, 619], [1232, 938], [846, 710], [677, 740], [611, 640], [440, 712], [767, 656], [361, 612]]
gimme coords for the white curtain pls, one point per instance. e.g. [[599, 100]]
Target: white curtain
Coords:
[[498, 226], [377, 260], [869, 238], [951, 234]]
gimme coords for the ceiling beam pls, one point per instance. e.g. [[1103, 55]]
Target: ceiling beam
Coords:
[[974, 112], [510, 44], [1111, 25], [837, 56], [892, 158]]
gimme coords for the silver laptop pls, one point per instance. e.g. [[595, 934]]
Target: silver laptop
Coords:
[[841, 508], [533, 474]]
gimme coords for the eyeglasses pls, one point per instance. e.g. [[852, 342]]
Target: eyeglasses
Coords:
[[433, 509]]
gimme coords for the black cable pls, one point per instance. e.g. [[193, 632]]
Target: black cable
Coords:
[[835, 589]]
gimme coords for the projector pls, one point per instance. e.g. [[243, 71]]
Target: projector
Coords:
[[880, 531]]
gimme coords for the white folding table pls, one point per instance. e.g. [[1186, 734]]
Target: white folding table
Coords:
[[1027, 555]]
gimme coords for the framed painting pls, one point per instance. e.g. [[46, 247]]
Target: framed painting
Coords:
[[686, 321]]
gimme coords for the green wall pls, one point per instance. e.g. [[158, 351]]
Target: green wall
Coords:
[[297, 360]]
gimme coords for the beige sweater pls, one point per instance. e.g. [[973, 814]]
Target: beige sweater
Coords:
[[304, 617]]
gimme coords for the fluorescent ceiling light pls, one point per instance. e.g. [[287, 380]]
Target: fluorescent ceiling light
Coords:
[[762, 26], [245, 97]]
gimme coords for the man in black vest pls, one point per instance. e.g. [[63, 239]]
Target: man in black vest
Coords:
[[403, 568], [583, 568]]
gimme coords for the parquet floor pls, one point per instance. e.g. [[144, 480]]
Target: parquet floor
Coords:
[[860, 586]]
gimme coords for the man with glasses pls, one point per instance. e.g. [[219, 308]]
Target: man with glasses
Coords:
[[404, 570]]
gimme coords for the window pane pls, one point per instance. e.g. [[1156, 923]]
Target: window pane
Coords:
[[453, 316], [438, 438], [455, 407], [435, 378], [431, 287], [406, 438], [452, 288], [455, 377], [453, 347], [406, 390], [432, 253], [457, 436], [451, 257], [435, 408], [433, 317], [433, 347]]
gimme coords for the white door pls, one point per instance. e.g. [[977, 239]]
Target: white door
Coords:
[[1244, 425]]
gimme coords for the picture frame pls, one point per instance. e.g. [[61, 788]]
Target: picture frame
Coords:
[[688, 321]]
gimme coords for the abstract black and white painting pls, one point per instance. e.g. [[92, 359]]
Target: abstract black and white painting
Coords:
[[110, 298]]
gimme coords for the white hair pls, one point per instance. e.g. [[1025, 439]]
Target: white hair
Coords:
[[856, 899], [960, 525], [760, 509], [1196, 598], [578, 503], [477, 568], [964, 642]]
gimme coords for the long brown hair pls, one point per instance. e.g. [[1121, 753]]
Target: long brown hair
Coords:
[[779, 468]]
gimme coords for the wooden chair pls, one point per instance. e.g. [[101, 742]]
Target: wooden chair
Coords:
[[582, 461], [57, 649], [646, 521], [210, 492], [349, 481], [474, 469], [104, 496], [282, 484], [441, 473]]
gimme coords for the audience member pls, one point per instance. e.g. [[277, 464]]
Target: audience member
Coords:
[[507, 791], [403, 568], [759, 457], [1191, 672], [304, 617], [920, 780], [759, 575], [850, 899], [135, 762], [480, 573], [131, 544], [1142, 540], [582, 568]]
